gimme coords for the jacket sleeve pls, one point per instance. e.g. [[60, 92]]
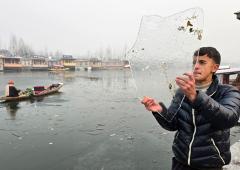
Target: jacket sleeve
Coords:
[[15, 90], [223, 114], [168, 117]]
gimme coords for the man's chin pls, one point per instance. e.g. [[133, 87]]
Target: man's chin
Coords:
[[197, 77]]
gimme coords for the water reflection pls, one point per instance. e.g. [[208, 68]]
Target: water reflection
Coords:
[[103, 78], [89, 77], [113, 79], [68, 76], [11, 108]]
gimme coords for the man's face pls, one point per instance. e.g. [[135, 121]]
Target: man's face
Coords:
[[203, 69]]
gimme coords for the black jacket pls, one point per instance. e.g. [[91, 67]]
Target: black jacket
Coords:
[[13, 92], [202, 139]]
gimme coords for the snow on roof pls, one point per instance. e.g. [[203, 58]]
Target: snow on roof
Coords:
[[228, 71]]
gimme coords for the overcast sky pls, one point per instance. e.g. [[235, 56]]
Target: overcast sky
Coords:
[[78, 26]]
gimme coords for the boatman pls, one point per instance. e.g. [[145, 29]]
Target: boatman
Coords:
[[11, 90], [202, 113]]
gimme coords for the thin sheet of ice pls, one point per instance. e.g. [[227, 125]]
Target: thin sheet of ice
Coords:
[[163, 49]]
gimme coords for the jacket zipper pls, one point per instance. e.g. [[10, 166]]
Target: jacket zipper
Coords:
[[218, 151], [194, 132]]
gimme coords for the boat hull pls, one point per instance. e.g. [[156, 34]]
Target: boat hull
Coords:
[[18, 98]]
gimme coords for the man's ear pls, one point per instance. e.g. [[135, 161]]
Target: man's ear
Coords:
[[215, 67]]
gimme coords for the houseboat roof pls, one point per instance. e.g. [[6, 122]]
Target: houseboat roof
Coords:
[[82, 59], [68, 57], [5, 57], [228, 71], [38, 58]]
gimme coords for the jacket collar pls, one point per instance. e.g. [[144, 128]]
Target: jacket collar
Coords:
[[213, 87]]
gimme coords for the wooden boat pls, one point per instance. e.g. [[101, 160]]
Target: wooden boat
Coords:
[[49, 90], [229, 75], [30, 94], [18, 98], [58, 68]]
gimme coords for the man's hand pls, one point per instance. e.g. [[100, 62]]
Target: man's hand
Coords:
[[151, 104], [187, 85]]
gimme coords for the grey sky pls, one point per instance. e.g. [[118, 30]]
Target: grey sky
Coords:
[[78, 26]]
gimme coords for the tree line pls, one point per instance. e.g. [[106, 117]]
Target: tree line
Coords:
[[18, 47]]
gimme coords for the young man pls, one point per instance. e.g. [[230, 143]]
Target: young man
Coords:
[[202, 112], [11, 91]]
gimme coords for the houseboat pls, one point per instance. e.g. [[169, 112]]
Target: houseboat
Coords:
[[115, 64], [39, 63], [12, 63], [54, 62], [229, 75], [26, 64], [83, 64], [108, 64], [68, 62], [95, 64], [1, 63]]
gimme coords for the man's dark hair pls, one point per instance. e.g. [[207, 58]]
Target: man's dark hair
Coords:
[[211, 53]]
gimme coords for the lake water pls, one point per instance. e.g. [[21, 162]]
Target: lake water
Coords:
[[95, 123]]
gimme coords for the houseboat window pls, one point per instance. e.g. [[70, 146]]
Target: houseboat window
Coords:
[[220, 77]]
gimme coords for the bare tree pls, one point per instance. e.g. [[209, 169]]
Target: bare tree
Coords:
[[46, 52], [108, 53], [100, 53], [13, 46], [24, 50], [58, 54], [21, 48]]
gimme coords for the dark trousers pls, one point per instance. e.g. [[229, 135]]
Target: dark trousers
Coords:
[[176, 165]]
